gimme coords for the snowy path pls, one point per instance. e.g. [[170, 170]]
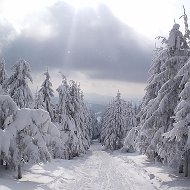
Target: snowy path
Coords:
[[101, 171], [97, 170]]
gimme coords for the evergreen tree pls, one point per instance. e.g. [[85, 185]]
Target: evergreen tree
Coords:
[[18, 86], [46, 93], [3, 74], [38, 100], [81, 116], [2, 91], [72, 120], [149, 105], [162, 95], [177, 140], [114, 124], [95, 126], [8, 111], [131, 117], [27, 135], [66, 123]]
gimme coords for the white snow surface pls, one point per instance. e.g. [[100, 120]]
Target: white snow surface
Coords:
[[96, 170]]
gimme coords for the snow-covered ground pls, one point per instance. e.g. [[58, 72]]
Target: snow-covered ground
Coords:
[[97, 170]]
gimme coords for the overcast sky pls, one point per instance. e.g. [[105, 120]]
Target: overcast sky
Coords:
[[105, 45]]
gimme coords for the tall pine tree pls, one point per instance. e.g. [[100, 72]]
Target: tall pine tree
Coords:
[[3, 74], [162, 95], [18, 85], [46, 94], [115, 124]]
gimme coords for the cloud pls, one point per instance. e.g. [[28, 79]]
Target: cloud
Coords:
[[7, 33], [90, 41]]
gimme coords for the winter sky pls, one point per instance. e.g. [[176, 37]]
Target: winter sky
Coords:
[[105, 45]]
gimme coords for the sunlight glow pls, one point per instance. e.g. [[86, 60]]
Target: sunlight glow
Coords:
[[137, 14], [78, 4], [16, 12], [140, 14]]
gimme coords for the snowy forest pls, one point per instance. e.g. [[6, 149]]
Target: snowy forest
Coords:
[[35, 129]]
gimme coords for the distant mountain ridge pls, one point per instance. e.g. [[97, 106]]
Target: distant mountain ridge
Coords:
[[98, 109]]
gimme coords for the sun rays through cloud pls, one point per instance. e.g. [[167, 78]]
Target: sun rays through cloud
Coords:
[[100, 40]]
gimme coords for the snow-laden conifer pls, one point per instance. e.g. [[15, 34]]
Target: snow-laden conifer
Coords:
[[27, 135], [81, 116], [177, 140], [18, 85], [3, 74], [38, 100], [162, 96], [72, 120], [115, 124], [66, 123], [95, 126], [46, 94], [132, 130], [8, 111], [131, 140]]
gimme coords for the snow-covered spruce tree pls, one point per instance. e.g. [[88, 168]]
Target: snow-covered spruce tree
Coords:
[[35, 137], [3, 74], [38, 100], [114, 124], [131, 117], [8, 111], [2, 91], [81, 116], [72, 119], [95, 126], [162, 96], [177, 141], [65, 122], [131, 140], [46, 93], [155, 81], [18, 85], [62, 119], [86, 121], [27, 135], [132, 121]]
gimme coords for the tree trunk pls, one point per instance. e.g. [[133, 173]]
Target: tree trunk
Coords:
[[181, 168], [7, 166], [19, 147], [19, 171], [186, 163], [2, 162]]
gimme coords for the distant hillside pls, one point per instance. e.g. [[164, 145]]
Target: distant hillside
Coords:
[[98, 109]]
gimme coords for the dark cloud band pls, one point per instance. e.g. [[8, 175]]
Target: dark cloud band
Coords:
[[92, 41]]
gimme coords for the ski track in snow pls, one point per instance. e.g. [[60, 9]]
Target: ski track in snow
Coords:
[[96, 170], [101, 171]]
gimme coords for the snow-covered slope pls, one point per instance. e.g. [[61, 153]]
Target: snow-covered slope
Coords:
[[97, 170]]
